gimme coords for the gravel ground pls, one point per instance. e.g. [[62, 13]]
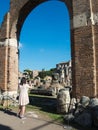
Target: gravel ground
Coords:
[[33, 121]]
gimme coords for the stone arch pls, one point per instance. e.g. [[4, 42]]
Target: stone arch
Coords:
[[24, 11], [83, 22]]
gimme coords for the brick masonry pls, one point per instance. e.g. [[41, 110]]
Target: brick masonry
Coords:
[[84, 47]]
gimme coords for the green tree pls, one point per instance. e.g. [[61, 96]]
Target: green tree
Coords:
[[44, 73], [28, 74]]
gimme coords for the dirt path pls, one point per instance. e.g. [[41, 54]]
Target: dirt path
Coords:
[[33, 121]]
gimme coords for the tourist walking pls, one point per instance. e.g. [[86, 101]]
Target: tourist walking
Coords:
[[23, 97]]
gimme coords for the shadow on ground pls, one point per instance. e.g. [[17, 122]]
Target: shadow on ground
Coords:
[[8, 111], [47, 104], [3, 127]]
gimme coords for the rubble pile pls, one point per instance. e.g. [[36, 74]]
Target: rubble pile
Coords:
[[84, 112]]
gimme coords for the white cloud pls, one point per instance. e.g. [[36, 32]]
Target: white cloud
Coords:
[[20, 45]]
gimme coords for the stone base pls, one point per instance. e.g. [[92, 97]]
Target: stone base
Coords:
[[8, 98]]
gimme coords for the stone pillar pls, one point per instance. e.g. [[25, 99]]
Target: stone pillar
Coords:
[[8, 59], [3, 65], [9, 65], [83, 49], [12, 65], [94, 20]]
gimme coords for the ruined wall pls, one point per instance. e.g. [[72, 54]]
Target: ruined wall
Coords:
[[3, 67], [84, 24], [95, 37], [4, 52], [8, 58], [84, 63]]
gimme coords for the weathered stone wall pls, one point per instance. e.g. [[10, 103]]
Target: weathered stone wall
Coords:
[[84, 58], [84, 68], [94, 19], [12, 65], [8, 58], [96, 54], [4, 28], [95, 36], [3, 67], [8, 66], [4, 52]]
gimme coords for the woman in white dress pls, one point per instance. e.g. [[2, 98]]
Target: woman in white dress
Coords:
[[23, 97]]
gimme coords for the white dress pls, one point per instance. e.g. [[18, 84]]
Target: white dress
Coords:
[[23, 94]]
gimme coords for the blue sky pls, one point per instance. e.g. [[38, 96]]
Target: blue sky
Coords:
[[45, 36]]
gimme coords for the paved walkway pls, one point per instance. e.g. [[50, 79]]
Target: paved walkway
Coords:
[[9, 121]]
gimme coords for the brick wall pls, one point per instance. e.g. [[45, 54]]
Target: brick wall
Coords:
[[95, 31], [83, 62], [96, 53], [13, 68], [3, 67], [84, 45]]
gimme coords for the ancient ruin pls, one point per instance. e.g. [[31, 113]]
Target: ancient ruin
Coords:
[[84, 47]]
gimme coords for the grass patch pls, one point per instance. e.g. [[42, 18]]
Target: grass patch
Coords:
[[46, 114], [45, 105]]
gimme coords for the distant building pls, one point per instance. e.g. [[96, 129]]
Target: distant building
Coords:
[[35, 73], [65, 72]]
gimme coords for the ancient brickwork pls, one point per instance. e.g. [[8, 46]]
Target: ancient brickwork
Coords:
[[96, 53], [13, 68], [84, 70], [3, 29], [80, 7], [84, 47], [94, 4], [84, 66], [3, 68]]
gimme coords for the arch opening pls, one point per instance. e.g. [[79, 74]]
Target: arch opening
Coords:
[[47, 37]]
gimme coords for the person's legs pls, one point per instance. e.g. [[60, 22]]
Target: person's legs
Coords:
[[22, 112], [19, 110]]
